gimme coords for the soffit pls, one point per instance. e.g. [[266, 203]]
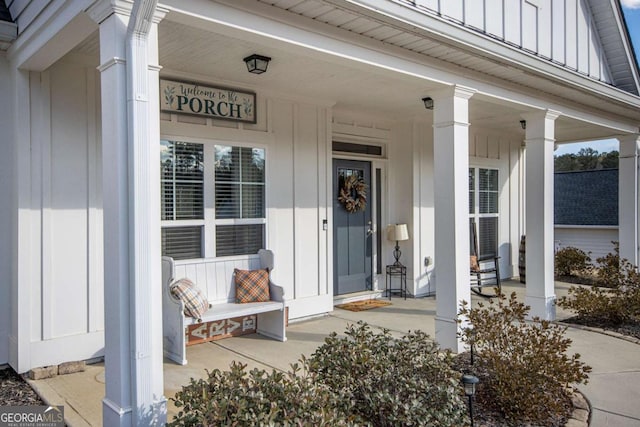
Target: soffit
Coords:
[[201, 55], [584, 91], [617, 47]]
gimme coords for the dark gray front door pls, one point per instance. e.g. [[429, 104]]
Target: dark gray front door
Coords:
[[352, 227]]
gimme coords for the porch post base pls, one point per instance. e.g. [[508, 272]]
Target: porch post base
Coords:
[[114, 415], [542, 307], [447, 334]]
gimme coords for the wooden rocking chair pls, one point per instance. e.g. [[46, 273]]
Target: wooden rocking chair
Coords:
[[485, 270]]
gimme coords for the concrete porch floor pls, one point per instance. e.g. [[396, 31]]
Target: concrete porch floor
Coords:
[[613, 388]]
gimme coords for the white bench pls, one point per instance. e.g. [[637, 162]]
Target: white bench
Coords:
[[215, 279]]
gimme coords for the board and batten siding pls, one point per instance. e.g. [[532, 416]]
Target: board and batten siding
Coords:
[[65, 262], [503, 152], [296, 136], [486, 149], [562, 31]]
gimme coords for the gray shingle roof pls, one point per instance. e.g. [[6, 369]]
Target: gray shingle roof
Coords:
[[586, 197], [5, 15]]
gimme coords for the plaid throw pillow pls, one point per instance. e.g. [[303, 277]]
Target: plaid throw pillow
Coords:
[[252, 286], [195, 304], [474, 263]]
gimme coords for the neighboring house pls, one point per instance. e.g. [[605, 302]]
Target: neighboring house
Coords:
[[586, 210], [130, 129]]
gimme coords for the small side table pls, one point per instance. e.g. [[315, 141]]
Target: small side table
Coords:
[[397, 272]]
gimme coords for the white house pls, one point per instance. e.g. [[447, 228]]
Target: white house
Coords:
[[96, 94]]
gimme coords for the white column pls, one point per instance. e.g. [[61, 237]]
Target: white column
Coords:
[[21, 217], [131, 177], [540, 140], [628, 182], [451, 198]]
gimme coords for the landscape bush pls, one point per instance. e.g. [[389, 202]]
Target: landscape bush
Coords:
[[391, 381], [360, 379], [609, 270], [257, 398], [617, 302], [524, 370], [572, 261]]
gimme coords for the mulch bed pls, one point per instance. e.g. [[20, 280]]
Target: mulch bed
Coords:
[[15, 391], [483, 414], [629, 329]]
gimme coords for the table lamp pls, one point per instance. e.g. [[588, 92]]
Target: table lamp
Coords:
[[397, 232]]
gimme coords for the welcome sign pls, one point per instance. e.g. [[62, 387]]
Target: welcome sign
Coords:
[[209, 101]]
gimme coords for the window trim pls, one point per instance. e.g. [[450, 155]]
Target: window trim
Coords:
[[209, 222]]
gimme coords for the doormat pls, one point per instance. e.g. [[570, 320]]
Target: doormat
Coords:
[[363, 305]]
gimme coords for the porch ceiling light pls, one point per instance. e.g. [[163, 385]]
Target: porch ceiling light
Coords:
[[523, 124], [257, 64], [428, 103]]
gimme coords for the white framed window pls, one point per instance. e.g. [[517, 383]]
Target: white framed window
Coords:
[[484, 193], [212, 199], [240, 216]]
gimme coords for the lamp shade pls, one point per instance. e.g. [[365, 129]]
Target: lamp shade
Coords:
[[397, 232]]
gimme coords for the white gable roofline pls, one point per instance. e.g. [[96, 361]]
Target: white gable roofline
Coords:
[[615, 40]]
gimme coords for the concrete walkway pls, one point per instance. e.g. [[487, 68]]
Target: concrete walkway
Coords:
[[613, 389]]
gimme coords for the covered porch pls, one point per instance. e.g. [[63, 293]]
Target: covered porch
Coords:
[[611, 390], [347, 78]]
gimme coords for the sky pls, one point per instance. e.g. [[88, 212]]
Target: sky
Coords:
[[631, 10]]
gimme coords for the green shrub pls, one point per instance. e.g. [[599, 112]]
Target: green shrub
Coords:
[[615, 304], [524, 369], [257, 398], [391, 381], [362, 379], [609, 268], [572, 261]]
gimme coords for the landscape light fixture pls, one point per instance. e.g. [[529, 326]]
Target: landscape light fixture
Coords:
[[469, 382], [428, 103], [523, 124], [257, 64]]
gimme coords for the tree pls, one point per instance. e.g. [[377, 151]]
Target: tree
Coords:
[[609, 160], [586, 159]]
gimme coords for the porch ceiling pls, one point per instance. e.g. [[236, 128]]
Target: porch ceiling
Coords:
[[199, 54]]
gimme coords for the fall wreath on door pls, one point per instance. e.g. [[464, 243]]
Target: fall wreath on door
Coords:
[[353, 193]]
